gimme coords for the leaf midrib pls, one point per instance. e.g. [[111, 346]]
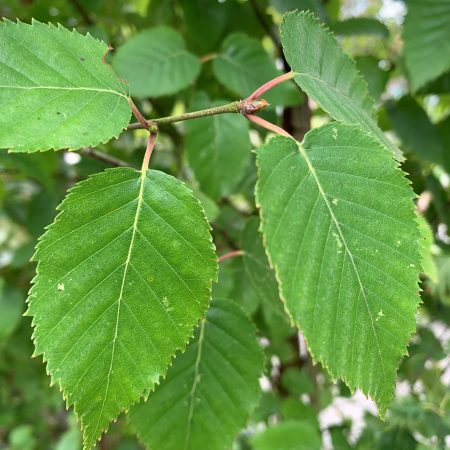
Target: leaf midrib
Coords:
[[313, 172], [368, 121], [119, 300], [349, 100], [62, 88]]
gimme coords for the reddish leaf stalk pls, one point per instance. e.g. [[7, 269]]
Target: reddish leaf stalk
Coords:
[[230, 255], [267, 125], [148, 151], [271, 84], [140, 118]]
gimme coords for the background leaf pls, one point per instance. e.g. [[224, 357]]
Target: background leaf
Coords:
[[209, 18], [217, 148], [243, 65], [124, 274], [210, 390], [68, 96], [428, 263], [427, 47], [339, 225], [261, 276], [289, 435], [412, 125], [11, 307], [315, 6], [376, 78], [360, 26], [156, 62]]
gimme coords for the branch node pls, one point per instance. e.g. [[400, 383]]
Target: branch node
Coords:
[[251, 106]]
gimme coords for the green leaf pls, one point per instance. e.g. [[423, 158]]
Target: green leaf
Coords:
[[11, 306], [257, 267], [70, 440], [124, 274], [439, 86], [297, 381], [156, 62], [339, 436], [37, 166], [360, 26], [234, 284], [426, 36], [22, 438], [293, 408], [262, 278], [288, 435], [206, 22], [243, 65], [210, 390], [415, 129], [217, 149], [428, 263], [328, 75], [339, 226], [441, 287], [375, 77], [212, 211], [444, 132], [315, 6], [417, 416], [56, 91]]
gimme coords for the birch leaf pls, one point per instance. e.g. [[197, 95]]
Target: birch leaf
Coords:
[[339, 224], [124, 274], [56, 90], [156, 62], [327, 74], [210, 390]]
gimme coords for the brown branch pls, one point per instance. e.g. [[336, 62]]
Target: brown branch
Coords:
[[230, 255], [103, 157]]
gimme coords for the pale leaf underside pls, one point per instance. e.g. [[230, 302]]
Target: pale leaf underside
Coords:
[[339, 224], [124, 274]]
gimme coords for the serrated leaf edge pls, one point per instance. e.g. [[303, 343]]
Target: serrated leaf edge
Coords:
[[261, 352], [382, 408], [9, 23], [55, 380]]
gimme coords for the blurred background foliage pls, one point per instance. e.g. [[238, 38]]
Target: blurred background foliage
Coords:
[[230, 47]]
